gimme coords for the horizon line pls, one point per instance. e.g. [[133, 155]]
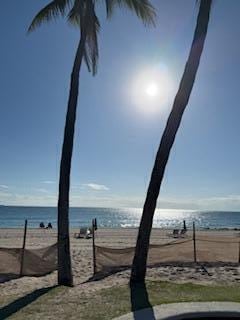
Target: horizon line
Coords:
[[123, 207]]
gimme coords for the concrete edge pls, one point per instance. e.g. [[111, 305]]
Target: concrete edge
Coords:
[[175, 311]]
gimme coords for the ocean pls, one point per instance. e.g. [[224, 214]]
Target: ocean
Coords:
[[13, 217]]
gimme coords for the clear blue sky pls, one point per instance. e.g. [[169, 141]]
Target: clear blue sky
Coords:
[[117, 134]]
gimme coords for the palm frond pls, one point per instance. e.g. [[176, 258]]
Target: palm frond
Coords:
[[52, 11], [91, 54], [76, 14], [83, 16], [81, 13], [93, 27], [143, 9]]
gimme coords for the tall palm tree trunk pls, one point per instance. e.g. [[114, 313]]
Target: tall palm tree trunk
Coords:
[[64, 258], [181, 100]]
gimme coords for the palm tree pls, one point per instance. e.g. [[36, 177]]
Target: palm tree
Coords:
[[81, 14], [181, 100]]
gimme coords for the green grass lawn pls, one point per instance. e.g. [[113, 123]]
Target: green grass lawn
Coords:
[[73, 303]]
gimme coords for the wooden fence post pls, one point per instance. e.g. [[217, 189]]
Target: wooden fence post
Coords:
[[23, 248], [239, 252], [194, 243], [93, 244]]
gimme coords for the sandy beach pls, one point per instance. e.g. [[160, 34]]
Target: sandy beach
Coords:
[[225, 273]]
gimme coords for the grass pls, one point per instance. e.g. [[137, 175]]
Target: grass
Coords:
[[72, 303]]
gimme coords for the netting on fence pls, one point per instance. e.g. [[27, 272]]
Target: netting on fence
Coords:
[[217, 249], [36, 262], [109, 259], [208, 249]]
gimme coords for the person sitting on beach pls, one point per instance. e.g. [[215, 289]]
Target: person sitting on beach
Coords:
[[41, 225], [49, 226]]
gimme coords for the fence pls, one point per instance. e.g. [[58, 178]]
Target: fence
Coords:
[[37, 262], [15, 262], [190, 249]]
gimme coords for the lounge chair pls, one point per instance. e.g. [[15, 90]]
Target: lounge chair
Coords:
[[84, 233], [175, 233], [89, 233], [183, 232]]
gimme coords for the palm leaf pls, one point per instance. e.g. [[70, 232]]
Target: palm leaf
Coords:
[[91, 50], [76, 14], [143, 9], [81, 13], [52, 11], [84, 16]]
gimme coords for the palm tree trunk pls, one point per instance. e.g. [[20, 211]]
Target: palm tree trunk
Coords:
[[181, 100], [64, 258]]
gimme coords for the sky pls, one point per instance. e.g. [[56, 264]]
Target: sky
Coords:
[[122, 111]]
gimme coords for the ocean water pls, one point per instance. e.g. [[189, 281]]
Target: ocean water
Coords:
[[13, 217]]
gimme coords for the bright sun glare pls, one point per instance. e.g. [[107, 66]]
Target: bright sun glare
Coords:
[[152, 89]]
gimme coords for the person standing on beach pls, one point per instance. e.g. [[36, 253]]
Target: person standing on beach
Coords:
[[184, 225]]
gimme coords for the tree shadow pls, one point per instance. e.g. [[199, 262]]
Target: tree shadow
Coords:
[[5, 277], [105, 274], [140, 300], [22, 302], [138, 293]]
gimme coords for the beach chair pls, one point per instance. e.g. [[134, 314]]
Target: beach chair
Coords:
[[183, 232], [175, 233], [89, 233], [84, 232]]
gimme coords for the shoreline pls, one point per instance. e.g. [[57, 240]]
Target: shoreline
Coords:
[[125, 228]]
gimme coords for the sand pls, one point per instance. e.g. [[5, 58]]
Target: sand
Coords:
[[81, 249]]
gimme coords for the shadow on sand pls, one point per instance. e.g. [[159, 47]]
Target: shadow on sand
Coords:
[[102, 275], [22, 302], [195, 265], [4, 277]]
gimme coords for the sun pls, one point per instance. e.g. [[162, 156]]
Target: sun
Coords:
[[152, 89]]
